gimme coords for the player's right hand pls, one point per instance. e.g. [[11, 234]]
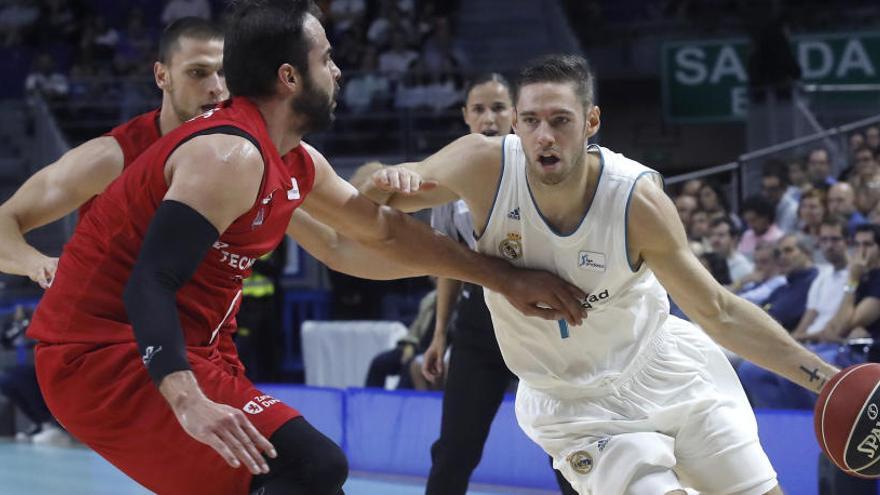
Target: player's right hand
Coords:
[[226, 430], [433, 366], [400, 180], [42, 271]]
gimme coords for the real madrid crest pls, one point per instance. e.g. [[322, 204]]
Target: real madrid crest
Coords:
[[511, 248], [581, 461]]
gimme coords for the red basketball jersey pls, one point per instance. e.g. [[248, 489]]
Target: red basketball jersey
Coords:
[[85, 303], [134, 137]]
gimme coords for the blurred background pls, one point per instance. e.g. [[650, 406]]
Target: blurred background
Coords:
[[739, 103]]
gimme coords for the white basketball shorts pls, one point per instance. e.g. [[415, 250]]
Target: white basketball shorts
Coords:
[[676, 418]]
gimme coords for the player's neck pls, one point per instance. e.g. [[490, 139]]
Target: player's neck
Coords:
[[168, 119], [281, 123], [565, 204]]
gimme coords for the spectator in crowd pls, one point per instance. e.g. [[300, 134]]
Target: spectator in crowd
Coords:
[[757, 286], [350, 49], [686, 206], [855, 141], [811, 211], [759, 215], [44, 81], [723, 239], [692, 188], [819, 168], [395, 61], [776, 188], [872, 139], [346, 13], [136, 46], [864, 167], [16, 18], [60, 22], [826, 292], [823, 301], [396, 362], [797, 177], [713, 202], [788, 303], [841, 201], [176, 9], [700, 229], [438, 50], [367, 89], [717, 265], [388, 24], [859, 311], [101, 39]]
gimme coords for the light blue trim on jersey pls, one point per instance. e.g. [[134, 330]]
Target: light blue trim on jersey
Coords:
[[595, 190], [497, 190], [626, 218]]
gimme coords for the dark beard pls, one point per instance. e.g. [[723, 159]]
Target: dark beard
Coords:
[[316, 107]]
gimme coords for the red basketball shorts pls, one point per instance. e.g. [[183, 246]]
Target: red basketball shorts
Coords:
[[104, 397]]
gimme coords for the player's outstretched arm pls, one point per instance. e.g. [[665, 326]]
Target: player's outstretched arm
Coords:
[[53, 192], [342, 254], [658, 238], [462, 169], [212, 181], [391, 233]]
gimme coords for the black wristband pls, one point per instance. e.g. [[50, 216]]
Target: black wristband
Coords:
[[175, 244]]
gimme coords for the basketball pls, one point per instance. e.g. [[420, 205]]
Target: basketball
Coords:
[[847, 420]]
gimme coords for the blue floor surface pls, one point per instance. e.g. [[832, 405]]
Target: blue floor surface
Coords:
[[42, 470]]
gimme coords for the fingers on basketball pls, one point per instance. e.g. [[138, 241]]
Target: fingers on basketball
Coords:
[[847, 420]]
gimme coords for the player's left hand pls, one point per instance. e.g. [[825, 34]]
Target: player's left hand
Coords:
[[542, 294]]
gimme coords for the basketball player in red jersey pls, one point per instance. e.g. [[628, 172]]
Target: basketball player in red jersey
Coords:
[[190, 74], [178, 232]]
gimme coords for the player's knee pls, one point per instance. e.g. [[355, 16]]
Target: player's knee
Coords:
[[331, 471]]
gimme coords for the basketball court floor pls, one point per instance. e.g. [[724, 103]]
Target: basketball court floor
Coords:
[[27, 469]]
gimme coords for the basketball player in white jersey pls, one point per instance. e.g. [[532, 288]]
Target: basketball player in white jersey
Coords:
[[632, 401]]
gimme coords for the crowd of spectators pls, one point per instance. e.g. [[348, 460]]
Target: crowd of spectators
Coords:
[[806, 249], [395, 54]]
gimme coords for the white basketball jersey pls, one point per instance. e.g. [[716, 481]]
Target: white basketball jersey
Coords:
[[625, 307]]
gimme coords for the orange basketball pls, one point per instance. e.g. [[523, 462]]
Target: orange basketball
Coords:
[[847, 420]]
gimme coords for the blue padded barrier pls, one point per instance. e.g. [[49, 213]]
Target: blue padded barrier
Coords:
[[324, 408], [392, 431]]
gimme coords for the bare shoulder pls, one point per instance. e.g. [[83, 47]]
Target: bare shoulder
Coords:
[[217, 155], [316, 155], [482, 149], [103, 148], [653, 220]]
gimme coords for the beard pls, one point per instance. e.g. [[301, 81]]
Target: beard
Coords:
[[316, 106]]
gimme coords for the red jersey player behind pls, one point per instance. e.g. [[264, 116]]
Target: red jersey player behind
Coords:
[[190, 74]]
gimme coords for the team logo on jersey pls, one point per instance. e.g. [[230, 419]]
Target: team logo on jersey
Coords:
[[581, 461], [590, 260], [511, 248], [293, 193], [259, 404], [513, 214], [594, 298]]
